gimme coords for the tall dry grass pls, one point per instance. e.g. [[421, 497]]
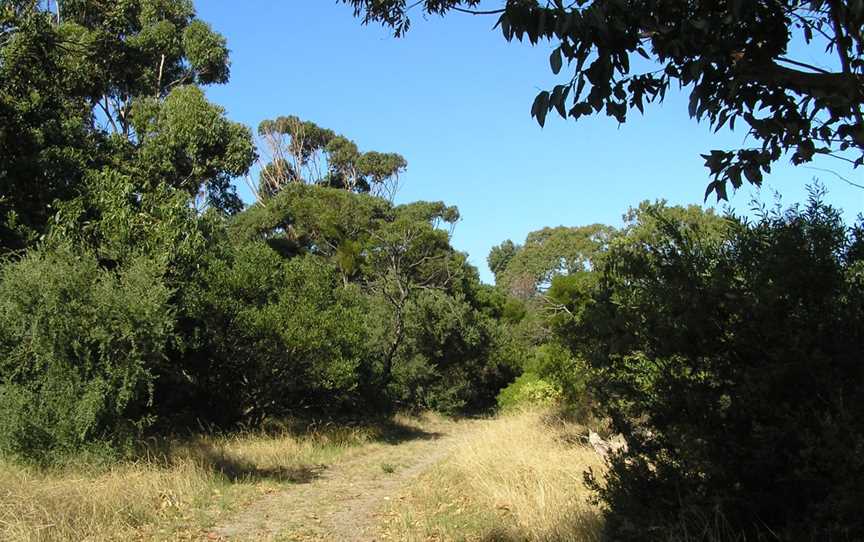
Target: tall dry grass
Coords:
[[175, 491], [517, 477], [39, 506]]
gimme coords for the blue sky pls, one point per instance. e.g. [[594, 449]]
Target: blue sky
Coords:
[[454, 98]]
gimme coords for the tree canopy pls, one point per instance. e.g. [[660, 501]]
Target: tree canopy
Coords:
[[527, 270], [139, 296], [745, 61], [139, 292], [301, 151], [115, 85]]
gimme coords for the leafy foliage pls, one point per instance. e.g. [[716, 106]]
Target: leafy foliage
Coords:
[[114, 84], [79, 346], [528, 270], [430, 342], [548, 282], [728, 354], [139, 295], [303, 152], [449, 359], [185, 141], [271, 336], [528, 390]]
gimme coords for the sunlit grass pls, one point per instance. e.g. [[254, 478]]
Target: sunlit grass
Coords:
[[518, 477], [175, 491]]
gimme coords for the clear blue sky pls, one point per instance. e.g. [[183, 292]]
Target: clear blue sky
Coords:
[[454, 98]]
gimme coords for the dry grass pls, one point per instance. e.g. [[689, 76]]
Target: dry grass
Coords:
[[37, 506], [172, 494], [518, 477]]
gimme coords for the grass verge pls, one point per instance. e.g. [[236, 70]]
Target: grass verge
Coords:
[[515, 478]]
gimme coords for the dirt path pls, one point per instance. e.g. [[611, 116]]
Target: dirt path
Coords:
[[343, 502]]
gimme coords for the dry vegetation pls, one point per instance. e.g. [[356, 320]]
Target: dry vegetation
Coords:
[[173, 494], [518, 477]]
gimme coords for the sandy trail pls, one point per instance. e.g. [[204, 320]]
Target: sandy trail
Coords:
[[344, 501]]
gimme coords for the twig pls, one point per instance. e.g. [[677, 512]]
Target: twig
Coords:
[[841, 177]]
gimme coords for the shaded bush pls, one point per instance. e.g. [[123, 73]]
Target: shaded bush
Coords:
[[729, 354], [267, 336], [450, 358]]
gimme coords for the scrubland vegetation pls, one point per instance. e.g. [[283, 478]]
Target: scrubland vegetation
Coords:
[[141, 299]]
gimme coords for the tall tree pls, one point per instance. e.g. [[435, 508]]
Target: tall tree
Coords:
[[527, 270], [500, 256], [735, 57], [95, 85], [301, 151], [408, 254]]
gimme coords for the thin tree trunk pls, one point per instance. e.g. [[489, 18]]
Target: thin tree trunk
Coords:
[[395, 342]]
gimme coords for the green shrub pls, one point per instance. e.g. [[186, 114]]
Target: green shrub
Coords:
[[529, 390], [78, 348], [449, 360], [554, 363], [729, 355], [266, 336]]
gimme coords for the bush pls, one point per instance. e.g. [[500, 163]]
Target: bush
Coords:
[[731, 360], [528, 390], [267, 336], [78, 348], [448, 360]]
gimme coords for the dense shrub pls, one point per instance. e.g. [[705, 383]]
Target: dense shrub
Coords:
[[729, 354], [449, 360], [78, 350], [267, 336], [177, 304], [528, 390], [552, 375]]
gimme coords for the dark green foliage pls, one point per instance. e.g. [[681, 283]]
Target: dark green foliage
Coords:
[[186, 142], [500, 256], [555, 364], [271, 336], [311, 218], [430, 343], [552, 375], [547, 282], [448, 360], [729, 354], [137, 294], [118, 221], [109, 84], [78, 349], [44, 144]]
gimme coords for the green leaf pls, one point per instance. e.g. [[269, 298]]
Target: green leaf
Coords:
[[555, 60], [541, 107]]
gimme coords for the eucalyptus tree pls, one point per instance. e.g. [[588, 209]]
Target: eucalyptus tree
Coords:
[[746, 61], [303, 152], [527, 270], [410, 253], [90, 86]]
